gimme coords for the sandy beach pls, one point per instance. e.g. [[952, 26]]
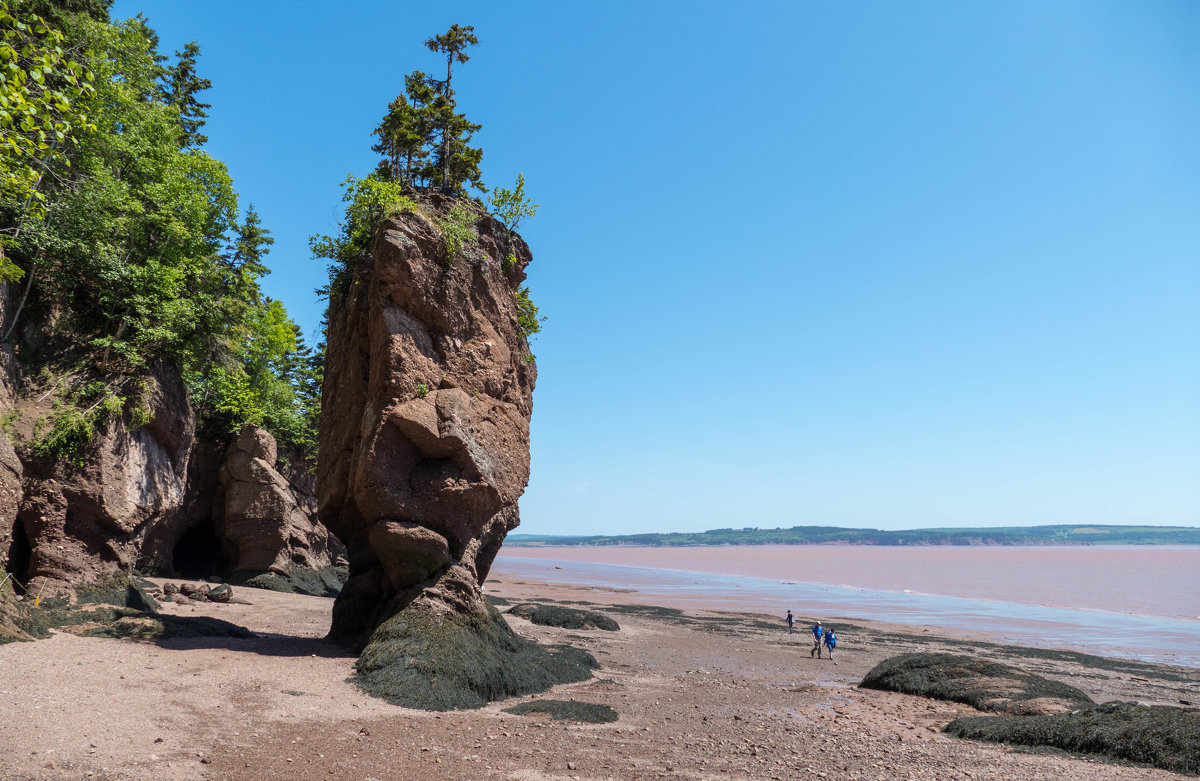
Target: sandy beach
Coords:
[[699, 695]]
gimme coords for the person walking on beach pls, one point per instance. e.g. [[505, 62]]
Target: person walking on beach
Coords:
[[830, 642], [817, 632], [791, 620]]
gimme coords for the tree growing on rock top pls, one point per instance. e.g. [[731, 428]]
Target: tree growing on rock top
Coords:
[[423, 139], [456, 131], [406, 133]]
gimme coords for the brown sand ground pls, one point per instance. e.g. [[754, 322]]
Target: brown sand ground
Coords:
[[699, 696]]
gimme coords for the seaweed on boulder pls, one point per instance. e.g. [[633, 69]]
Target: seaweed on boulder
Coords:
[[1158, 735], [121, 591], [323, 582], [980, 683], [565, 617], [457, 661], [567, 710]]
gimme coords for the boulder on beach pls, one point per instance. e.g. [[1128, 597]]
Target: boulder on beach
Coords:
[[564, 617], [980, 683]]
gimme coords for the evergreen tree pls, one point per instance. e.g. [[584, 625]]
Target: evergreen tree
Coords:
[[453, 44], [456, 161], [181, 84], [406, 130], [251, 244]]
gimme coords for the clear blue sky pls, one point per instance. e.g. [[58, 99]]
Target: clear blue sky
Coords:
[[865, 264]]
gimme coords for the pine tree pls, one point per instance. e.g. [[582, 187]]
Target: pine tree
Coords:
[[180, 89], [456, 161], [250, 247], [453, 44], [406, 130]]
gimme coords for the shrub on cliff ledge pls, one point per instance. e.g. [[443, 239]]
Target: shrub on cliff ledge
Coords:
[[368, 202], [454, 662]]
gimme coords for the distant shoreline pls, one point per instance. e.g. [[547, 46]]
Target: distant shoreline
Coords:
[[1023, 536]]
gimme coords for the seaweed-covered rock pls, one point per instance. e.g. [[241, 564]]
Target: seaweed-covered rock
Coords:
[[323, 582], [980, 683], [565, 617], [119, 590], [162, 627], [1156, 735], [454, 661], [567, 710]]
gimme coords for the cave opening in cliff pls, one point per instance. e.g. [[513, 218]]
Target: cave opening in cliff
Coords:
[[20, 554], [198, 553]]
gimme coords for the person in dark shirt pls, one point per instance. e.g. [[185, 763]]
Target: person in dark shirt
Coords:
[[790, 621]]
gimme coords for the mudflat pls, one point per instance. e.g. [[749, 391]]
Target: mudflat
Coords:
[[698, 695]]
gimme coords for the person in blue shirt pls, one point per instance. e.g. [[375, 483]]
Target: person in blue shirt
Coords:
[[817, 632], [830, 642]]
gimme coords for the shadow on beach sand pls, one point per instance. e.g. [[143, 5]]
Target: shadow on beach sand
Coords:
[[262, 644]]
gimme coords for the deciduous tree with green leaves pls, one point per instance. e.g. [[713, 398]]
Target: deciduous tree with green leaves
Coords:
[[135, 258], [42, 89]]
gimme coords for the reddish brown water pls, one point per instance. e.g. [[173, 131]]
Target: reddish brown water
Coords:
[[1153, 581], [1141, 602]]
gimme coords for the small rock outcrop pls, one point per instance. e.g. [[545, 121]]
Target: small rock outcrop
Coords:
[[260, 516], [424, 447]]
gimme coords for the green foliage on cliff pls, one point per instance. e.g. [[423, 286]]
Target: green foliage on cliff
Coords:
[[529, 322], [43, 90], [127, 237], [368, 202], [512, 206]]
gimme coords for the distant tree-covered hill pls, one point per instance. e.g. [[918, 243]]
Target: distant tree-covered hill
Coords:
[[831, 535]]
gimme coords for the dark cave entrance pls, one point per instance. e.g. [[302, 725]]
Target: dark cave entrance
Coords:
[[20, 554], [198, 553]]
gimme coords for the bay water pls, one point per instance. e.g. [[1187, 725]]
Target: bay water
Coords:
[[1140, 602]]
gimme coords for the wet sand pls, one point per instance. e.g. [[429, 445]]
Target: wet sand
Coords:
[[700, 695], [951, 590]]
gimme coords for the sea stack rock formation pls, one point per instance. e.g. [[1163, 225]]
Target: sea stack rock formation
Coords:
[[424, 451]]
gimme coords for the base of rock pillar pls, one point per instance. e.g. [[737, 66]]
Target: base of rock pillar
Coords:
[[454, 662]]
